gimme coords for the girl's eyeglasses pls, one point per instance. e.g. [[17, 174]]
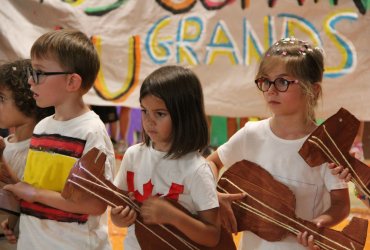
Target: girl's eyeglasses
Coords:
[[36, 74], [280, 84]]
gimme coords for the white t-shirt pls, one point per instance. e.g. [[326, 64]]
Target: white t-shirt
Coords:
[[189, 180], [15, 155], [311, 186], [53, 147]]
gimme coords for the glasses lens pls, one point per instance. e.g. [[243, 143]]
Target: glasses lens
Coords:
[[258, 83], [264, 84], [29, 74], [281, 84], [33, 74]]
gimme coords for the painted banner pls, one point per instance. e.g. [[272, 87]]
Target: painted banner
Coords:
[[221, 40]]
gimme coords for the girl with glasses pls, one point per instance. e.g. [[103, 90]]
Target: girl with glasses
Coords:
[[289, 77]]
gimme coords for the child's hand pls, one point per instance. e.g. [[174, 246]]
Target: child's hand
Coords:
[[228, 219], [341, 172], [123, 217], [157, 211], [8, 232], [22, 191], [307, 241], [323, 220]]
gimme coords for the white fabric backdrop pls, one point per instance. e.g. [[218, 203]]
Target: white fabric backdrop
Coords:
[[222, 41]]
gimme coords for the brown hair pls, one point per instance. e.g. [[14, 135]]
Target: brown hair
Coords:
[[13, 77], [73, 50], [181, 91]]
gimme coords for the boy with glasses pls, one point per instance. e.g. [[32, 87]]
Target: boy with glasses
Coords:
[[64, 67]]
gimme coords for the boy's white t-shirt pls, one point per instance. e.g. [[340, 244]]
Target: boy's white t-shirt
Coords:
[[190, 177], [311, 186], [36, 233]]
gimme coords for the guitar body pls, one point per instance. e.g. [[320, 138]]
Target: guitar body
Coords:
[[162, 239], [268, 210], [87, 178]]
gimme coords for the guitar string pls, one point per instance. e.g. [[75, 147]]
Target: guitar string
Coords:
[[321, 145], [281, 224], [285, 225], [137, 208], [329, 155], [114, 205], [270, 208], [362, 185], [106, 187]]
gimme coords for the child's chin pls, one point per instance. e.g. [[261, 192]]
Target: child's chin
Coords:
[[42, 105]]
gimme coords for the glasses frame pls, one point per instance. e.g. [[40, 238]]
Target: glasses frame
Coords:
[[35, 74], [273, 83]]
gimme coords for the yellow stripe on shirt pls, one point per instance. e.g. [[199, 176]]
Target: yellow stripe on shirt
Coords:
[[47, 170]]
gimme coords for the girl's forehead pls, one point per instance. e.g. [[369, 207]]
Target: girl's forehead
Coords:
[[274, 68], [152, 100]]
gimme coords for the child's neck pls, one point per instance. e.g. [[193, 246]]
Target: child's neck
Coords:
[[68, 112], [291, 129], [23, 132]]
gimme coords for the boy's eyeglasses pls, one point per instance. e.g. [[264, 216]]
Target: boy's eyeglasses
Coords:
[[280, 84], [36, 74]]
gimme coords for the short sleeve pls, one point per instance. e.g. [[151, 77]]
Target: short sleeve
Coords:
[[203, 189], [101, 141], [232, 150], [120, 180], [332, 182]]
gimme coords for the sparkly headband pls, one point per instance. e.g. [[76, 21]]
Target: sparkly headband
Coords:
[[292, 40]]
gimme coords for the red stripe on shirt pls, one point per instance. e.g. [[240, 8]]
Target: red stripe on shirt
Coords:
[[45, 212], [57, 143]]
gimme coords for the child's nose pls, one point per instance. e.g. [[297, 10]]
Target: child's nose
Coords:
[[30, 81], [150, 120], [272, 88]]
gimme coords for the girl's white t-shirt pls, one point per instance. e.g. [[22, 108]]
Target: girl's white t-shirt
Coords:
[[256, 142], [189, 180]]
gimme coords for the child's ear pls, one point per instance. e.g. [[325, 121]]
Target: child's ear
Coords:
[[317, 89], [74, 82]]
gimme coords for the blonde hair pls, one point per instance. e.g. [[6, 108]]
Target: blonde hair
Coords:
[[301, 61]]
